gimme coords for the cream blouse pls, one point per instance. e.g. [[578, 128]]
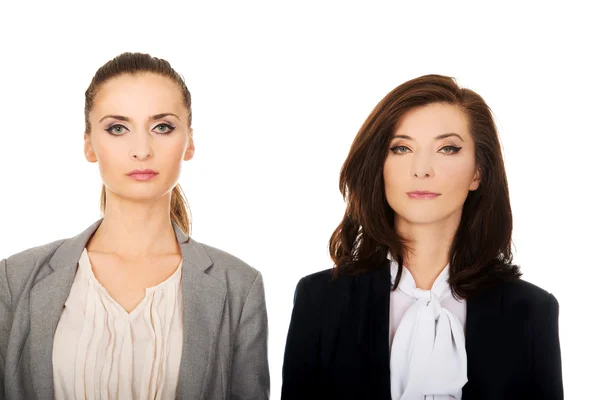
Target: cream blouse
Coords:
[[102, 352]]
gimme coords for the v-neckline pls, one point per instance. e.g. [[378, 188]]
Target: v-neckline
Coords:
[[86, 264]]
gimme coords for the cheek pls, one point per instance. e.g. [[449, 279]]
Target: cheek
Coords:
[[170, 153], [388, 170], [110, 154], [457, 177], [395, 176], [173, 150]]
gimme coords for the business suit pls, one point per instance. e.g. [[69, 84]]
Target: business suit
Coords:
[[224, 320], [338, 341]]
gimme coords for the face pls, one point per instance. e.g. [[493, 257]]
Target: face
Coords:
[[139, 122], [432, 151]]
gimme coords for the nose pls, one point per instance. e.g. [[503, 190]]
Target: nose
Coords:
[[141, 147], [421, 167]]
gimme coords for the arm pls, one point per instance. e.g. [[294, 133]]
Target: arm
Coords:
[[5, 322], [301, 358], [547, 368], [250, 367]]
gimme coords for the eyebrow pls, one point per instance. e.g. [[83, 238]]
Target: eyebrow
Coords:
[[438, 137], [122, 118]]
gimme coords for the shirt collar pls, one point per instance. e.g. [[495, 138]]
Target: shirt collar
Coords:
[[440, 288]]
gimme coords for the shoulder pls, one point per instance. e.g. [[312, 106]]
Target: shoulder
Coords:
[[326, 285], [318, 280], [324, 281], [228, 268], [35, 253], [23, 267], [523, 293], [521, 299], [25, 262], [311, 288], [344, 279]]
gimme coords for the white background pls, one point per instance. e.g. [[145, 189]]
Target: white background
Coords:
[[279, 90]]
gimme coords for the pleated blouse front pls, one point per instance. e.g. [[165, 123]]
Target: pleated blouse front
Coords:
[[103, 352]]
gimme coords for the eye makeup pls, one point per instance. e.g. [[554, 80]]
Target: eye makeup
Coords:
[[447, 150], [117, 129], [112, 129], [166, 128]]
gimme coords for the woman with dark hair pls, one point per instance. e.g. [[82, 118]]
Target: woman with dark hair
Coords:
[[133, 307], [424, 301]]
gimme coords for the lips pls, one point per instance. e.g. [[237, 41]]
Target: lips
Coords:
[[142, 174], [422, 195], [142, 171]]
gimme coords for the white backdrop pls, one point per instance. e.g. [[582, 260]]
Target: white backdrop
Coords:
[[279, 90]]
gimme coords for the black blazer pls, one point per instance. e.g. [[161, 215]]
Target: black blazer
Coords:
[[338, 341]]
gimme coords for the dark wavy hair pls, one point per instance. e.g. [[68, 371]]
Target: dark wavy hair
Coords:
[[480, 254]]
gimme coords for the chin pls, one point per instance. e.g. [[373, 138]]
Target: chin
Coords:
[[148, 192], [427, 216], [420, 215], [419, 220]]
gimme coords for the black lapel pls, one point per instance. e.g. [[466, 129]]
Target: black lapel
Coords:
[[485, 344], [373, 291]]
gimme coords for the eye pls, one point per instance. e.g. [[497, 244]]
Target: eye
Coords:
[[399, 149], [116, 129], [164, 129], [450, 149]]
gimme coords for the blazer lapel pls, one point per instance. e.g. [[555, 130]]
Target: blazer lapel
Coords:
[[203, 298], [373, 333], [203, 304], [484, 341], [47, 300], [484, 336]]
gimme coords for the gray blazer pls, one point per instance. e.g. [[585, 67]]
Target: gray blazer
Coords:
[[224, 321]]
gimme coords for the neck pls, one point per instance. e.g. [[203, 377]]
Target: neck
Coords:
[[134, 229], [429, 248]]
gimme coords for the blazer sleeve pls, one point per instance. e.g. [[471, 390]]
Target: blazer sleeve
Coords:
[[250, 366], [301, 358], [546, 351], [5, 323]]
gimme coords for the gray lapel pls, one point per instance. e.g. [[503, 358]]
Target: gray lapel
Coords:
[[47, 300], [203, 301]]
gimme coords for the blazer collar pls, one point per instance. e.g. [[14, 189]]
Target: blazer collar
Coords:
[[203, 298]]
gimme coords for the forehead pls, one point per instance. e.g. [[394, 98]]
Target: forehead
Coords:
[[131, 94], [431, 120]]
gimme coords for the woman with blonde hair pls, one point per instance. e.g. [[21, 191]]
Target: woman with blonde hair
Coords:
[[133, 307]]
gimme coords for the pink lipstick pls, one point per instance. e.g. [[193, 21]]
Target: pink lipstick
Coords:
[[422, 195], [142, 174]]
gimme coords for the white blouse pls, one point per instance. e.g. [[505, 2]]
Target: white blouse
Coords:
[[103, 352], [428, 358]]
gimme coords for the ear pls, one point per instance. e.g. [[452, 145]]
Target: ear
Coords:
[[476, 180], [189, 151], [88, 151]]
